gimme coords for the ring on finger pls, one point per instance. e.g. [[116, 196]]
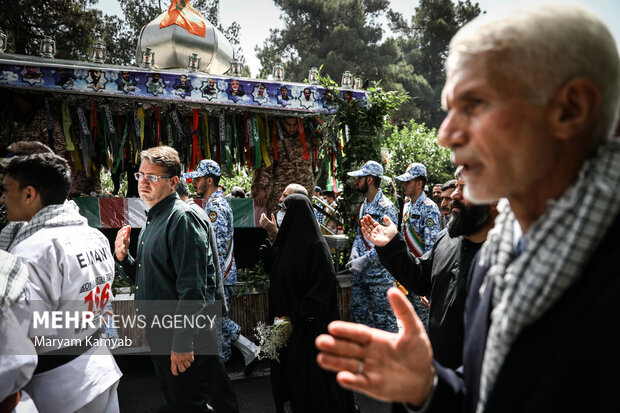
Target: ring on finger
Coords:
[[360, 366]]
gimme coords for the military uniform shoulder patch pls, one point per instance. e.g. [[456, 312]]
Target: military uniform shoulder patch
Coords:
[[213, 216], [385, 202], [430, 222], [428, 202]]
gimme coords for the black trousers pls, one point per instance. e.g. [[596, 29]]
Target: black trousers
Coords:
[[205, 383]]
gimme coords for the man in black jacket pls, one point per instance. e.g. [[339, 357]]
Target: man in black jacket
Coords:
[[532, 102], [441, 273]]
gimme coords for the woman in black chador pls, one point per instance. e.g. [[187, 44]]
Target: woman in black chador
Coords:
[[303, 287]]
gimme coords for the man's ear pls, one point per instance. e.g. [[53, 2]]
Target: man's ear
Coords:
[[493, 209], [574, 107], [30, 194], [419, 185], [174, 181]]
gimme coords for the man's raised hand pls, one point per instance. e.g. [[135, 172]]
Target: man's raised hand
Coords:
[[386, 366], [378, 234]]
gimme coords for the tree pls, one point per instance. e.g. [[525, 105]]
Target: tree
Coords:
[[337, 34], [424, 46], [70, 22], [417, 143]]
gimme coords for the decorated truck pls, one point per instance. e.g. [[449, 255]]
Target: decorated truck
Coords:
[[186, 92]]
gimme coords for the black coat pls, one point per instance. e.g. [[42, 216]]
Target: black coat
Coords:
[[441, 275], [567, 361], [303, 287]]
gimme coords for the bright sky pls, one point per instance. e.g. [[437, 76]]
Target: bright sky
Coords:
[[256, 17]]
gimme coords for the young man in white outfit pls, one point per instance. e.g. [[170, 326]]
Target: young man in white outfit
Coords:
[[70, 266]]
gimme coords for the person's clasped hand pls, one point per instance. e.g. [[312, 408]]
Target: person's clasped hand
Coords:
[[357, 264]]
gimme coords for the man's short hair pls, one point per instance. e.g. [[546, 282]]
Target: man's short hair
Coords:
[[545, 46], [423, 179], [451, 184], [49, 174], [21, 148], [182, 188], [164, 156], [298, 189], [458, 174], [216, 179], [237, 192], [376, 181]]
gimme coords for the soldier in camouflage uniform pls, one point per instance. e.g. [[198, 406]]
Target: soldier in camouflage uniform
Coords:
[[370, 279], [290, 166], [420, 224], [206, 178]]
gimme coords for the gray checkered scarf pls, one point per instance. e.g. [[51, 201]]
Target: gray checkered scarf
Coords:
[[56, 215], [557, 248], [13, 276]]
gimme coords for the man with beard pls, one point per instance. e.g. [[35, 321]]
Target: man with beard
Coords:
[[206, 178], [292, 155], [441, 273], [371, 280], [437, 194], [445, 204], [420, 224]]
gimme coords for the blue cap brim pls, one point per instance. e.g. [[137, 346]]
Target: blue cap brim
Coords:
[[193, 174]]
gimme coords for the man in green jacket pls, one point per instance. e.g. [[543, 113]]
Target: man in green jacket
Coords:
[[175, 263]]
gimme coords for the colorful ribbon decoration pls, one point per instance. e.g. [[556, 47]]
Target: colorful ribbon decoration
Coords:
[[264, 139], [274, 140], [207, 144], [158, 142], [256, 138], [87, 145], [196, 155], [66, 126], [222, 130], [228, 145], [49, 125]]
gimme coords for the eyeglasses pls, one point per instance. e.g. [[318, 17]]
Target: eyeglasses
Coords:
[[152, 178]]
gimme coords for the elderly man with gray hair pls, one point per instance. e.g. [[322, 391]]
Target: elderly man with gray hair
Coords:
[[532, 95]]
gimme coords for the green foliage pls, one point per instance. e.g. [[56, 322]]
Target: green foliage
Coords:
[[252, 278], [241, 178], [363, 124], [107, 186], [423, 46], [418, 143], [345, 35]]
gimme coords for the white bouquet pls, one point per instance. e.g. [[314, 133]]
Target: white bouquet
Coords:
[[273, 337]]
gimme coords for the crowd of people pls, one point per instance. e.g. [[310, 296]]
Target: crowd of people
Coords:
[[493, 292]]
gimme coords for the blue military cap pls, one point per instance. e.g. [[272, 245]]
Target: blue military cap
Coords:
[[206, 167], [370, 168], [415, 170]]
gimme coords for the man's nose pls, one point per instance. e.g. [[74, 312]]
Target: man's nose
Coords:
[[452, 132], [457, 194]]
